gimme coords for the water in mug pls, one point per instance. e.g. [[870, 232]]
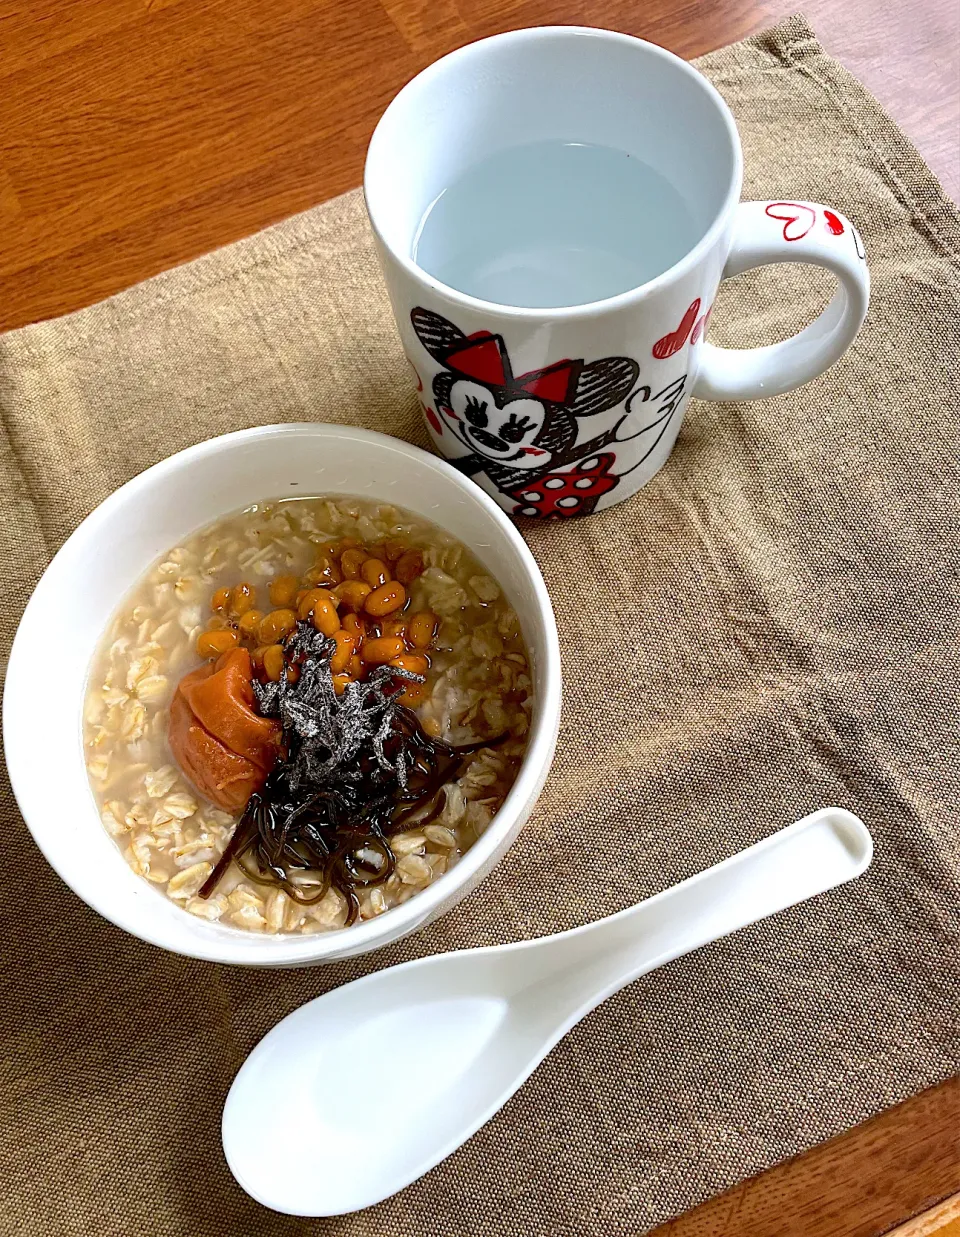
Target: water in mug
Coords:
[[554, 223]]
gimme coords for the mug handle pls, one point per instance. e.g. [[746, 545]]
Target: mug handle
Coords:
[[769, 232]]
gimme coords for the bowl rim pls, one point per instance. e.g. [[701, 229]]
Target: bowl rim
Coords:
[[236, 946]]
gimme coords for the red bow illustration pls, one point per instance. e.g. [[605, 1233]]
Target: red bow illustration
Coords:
[[484, 358]]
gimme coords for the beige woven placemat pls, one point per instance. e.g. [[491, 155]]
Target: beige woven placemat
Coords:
[[772, 625]]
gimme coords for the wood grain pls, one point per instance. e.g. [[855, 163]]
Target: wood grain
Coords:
[[136, 134], [858, 1185], [940, 1221]]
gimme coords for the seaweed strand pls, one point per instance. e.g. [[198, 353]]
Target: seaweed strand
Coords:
[[354, 769]]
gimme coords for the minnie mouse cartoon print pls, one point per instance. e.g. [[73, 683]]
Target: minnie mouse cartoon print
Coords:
[[523, 432]]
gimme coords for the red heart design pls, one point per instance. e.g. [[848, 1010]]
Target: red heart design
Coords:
[[700, 326], [673, 342], [834, 224], [798, 219]]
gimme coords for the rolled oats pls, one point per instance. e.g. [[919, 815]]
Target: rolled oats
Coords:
[[479, 688]]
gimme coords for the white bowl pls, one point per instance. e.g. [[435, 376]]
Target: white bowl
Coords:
[[89, 578]]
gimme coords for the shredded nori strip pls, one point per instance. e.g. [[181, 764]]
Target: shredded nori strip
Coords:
[[355, 768]]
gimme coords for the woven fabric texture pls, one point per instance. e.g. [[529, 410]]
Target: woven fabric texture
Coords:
[[770, 626]]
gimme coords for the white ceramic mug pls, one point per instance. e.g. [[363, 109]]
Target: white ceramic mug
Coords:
[[602, 387]]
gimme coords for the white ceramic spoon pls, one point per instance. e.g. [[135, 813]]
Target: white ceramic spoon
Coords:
[[363, 1090]]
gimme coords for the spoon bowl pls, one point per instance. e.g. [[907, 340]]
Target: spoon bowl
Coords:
[[305, 1134]]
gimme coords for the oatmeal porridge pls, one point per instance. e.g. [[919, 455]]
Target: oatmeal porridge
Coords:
[[305, 713]]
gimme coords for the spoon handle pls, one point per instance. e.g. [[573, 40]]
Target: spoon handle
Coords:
[[579, 969]]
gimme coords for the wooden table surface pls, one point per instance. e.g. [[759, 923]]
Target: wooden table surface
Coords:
[[136, 134]]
